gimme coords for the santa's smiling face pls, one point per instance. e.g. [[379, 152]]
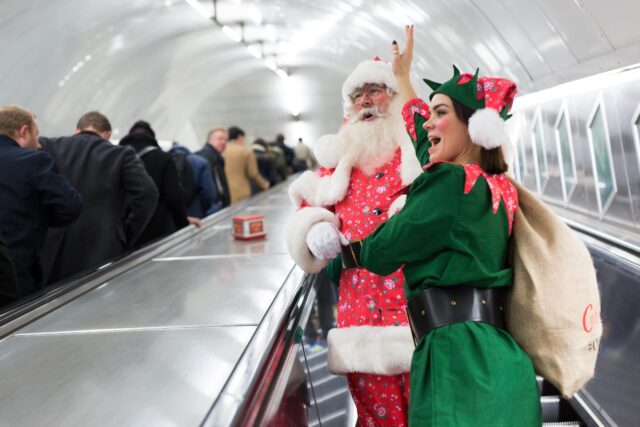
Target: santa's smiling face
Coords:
[[370, 102]]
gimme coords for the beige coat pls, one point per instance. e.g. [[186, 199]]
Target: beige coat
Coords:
[[240, 166]]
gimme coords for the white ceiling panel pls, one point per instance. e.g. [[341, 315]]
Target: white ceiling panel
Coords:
[[167, 62], [618, 20]]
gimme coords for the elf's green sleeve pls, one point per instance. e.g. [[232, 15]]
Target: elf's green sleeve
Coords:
[[423, 226], [334, 269]]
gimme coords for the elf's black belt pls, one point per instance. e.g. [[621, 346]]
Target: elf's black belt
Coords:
[[350, 255], [443, 305]]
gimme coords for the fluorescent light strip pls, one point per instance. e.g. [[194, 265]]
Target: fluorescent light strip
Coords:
[[233, 35], [236, 37], [576, 87], [200, 8], [254, 51]]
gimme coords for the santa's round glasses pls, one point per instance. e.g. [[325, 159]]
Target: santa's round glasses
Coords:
[[370, 91]]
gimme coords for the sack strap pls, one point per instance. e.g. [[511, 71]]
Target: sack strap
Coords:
[[146, 150], [443, 305]]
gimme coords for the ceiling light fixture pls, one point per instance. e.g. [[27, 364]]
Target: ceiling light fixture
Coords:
[[238, 36]]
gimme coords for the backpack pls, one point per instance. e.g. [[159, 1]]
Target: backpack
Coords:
[[185, 176]]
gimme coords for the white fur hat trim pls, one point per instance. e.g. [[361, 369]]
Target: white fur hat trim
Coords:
[[369, 71], [487, 129]]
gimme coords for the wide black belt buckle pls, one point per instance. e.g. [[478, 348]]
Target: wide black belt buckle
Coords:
[[350, 255]]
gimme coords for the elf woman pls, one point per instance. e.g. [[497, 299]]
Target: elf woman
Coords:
[[452, 238]]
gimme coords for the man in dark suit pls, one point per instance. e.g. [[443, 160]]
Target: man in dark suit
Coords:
[[119, 198], [8, 278], [212, 151], [33, 197]]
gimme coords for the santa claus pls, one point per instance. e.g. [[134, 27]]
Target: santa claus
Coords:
[[364, 168]]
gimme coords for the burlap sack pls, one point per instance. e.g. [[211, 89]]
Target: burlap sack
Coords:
[[553, 309]]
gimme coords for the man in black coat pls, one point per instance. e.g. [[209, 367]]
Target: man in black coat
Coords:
[[119, 199], [170, 214], [8, 278], [33, 197], [212, 151]]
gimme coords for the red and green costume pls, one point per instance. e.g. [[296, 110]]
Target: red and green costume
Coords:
[[454, 230]]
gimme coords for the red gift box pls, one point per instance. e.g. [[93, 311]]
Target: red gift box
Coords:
[[248, 227]]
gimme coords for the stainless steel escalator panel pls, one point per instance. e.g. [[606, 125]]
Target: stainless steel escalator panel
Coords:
[[187, 293], [141, 378], [218, 241]]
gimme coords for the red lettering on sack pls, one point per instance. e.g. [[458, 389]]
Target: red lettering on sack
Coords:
[[589, 318]]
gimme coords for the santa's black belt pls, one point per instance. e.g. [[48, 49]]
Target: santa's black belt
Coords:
[[443, 305], [350, 255]]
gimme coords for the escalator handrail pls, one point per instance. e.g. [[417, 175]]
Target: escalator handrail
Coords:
[[234, 399]]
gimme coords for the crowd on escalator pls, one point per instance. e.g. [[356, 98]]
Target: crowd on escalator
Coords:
[[71, 204]]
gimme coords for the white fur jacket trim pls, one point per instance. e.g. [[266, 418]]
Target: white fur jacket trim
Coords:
[[296, 236], [384, 350], [329, 190]]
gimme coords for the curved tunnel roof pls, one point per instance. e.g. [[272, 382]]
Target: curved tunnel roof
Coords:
[[179, 64]]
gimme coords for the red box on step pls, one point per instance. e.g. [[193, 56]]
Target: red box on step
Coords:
[[248, 227]]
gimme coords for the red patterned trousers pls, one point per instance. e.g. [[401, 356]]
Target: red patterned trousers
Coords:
[[381, 400]]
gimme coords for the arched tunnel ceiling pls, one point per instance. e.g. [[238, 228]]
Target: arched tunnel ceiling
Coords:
[[164, 61]]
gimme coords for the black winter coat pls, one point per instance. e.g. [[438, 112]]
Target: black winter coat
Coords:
[[33, 197], [119, 200], [8, 278], [170, 214]]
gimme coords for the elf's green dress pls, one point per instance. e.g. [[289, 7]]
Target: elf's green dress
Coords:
[[462, 374]]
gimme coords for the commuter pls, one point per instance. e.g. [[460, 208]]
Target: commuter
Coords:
[[8, 278], [119, 199], [170, 214], [212, 152], [303, 154], [33, 197], [241, 167], [279, 161], [288, 151], [266, 165], [452, 238], [201, 196], [363, 169]]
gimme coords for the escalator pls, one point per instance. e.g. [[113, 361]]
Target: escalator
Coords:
[[259, 360]]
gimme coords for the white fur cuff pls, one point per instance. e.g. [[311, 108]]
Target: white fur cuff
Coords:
[[296, 234], [385, 350]]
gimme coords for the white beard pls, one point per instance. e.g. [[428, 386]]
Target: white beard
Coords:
[[372, 143]]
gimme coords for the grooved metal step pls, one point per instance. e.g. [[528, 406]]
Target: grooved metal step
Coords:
[[563, 424]]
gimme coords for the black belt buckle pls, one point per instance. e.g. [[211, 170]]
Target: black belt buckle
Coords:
[[414, 333], [350, 255]]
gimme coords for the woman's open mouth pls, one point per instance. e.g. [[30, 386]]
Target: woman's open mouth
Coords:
[[434, 140]]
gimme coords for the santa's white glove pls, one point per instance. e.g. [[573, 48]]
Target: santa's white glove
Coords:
[[324, 240]]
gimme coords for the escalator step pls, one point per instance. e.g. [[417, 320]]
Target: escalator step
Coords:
[[563, 424], [550, 408]]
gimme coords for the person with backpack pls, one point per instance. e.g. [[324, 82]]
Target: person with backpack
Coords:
[[200, 195], [170, 214]]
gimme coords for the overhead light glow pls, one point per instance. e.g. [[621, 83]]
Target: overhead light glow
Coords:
[[291, 95], [200, 8], [233, 35], [254, 51], [270, 64]]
